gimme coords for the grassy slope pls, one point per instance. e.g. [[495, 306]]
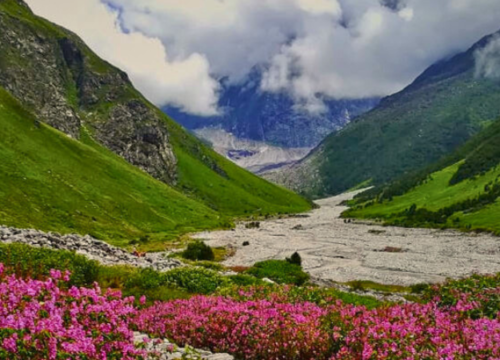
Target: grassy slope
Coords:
[[236, 192], [409, 130], [204, 176], [51, 182], [478, 171]]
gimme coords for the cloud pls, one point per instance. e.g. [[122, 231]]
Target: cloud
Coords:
[[488, 60], [379, 49], [185, 83], [311, 49]]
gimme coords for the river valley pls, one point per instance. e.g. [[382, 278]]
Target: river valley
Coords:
[[332, 249]]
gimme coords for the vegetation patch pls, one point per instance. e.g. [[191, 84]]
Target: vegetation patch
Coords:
[[280, 271], [198, 250]]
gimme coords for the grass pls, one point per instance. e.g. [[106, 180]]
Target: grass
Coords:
[[53, 183], [370, 285], [225, 187], [436, 193], [279, 271]]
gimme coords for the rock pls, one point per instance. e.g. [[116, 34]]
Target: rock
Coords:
[[298, 227], [91, 248], [169, 351], [268, 281]]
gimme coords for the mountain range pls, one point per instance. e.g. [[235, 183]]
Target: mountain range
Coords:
[[280, 131], [459, 191], [436, 114], [83, 151]]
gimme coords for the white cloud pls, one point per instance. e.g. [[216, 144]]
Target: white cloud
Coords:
[[488, 60], [184, 83], [312, 48]]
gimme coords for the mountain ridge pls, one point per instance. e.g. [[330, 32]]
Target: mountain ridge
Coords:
[[57, 80], [430, 118]]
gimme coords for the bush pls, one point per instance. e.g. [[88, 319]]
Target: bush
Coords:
[[198, 251], [245, 280], [27, 261], [280, 271], [295, 259], [195, 280]]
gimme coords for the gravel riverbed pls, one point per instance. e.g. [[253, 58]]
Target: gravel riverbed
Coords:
[[332, 249]]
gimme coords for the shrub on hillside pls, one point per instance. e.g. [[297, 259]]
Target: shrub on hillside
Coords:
[[280, 271], [28, 261], [198, 250], [195, 280]]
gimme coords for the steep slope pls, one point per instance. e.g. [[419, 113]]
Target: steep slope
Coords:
[[52, 182], [462, 190], [52, 73], [273, 119], [436, 114]]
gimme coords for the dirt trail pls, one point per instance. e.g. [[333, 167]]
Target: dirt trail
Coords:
[[334, 250]]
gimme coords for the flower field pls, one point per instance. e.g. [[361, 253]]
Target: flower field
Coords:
[[49, 319]]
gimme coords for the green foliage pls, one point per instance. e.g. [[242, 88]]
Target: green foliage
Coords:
[[295, 259], [280, 271], [464, 195], [27, 261], [245, 280], [198, 250], [195, 280], [299, 294], [484, 290], [409, 130], [117, 203]]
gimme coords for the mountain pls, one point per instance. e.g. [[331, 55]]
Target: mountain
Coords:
[[461, 191], [268, 119], [83, 151], [432, 117]]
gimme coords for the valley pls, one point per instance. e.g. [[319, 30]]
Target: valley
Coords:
[[332, 249]]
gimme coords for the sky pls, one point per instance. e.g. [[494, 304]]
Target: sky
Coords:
[[177, 51]]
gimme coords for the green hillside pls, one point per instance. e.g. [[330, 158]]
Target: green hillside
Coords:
[[462, 195], [432, 117], [82, 151], [51, 182]]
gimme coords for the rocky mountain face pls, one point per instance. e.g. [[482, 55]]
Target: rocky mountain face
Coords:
[[444, 107], [248, 113], [97, 173], [255, 156], [54, 74]]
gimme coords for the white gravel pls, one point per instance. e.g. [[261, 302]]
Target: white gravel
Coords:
[[334, 250]]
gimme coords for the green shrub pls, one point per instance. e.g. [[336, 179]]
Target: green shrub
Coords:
[[198, 251], [196, 280], [295, 259], [280, 271], [28, 261], [245, 280]]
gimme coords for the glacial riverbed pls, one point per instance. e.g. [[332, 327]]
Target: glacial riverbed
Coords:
[[334, 250]]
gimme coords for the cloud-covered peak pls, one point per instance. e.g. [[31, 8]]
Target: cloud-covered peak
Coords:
[[175, 51]]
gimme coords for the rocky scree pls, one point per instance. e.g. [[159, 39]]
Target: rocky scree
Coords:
[[88, 246]]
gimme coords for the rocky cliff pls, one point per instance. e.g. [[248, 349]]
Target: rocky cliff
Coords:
[[55, 75]]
